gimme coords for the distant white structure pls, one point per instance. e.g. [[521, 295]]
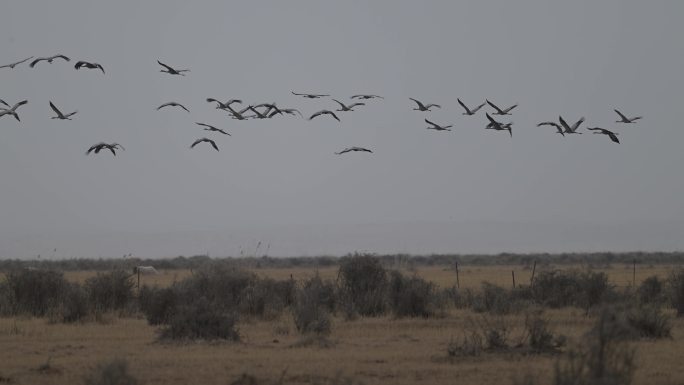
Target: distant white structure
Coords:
[[145, 270]]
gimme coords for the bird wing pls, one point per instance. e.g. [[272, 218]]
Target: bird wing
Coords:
[[294, 93], [21, 103], [432, 124], [57, 111], [61, 57], [621, 115], [474, 110], [33, 63], [357, 104], [165, 105], [111, 148], [464, 106], [343, 151], [100, 67], [494, 107], [183, 107], [494, 123], [549, 124], [341, 104], [433, 105], [196, 142], [315, 115], [205, 125], [223, 132], [577, 124], [333, 115], [420, 105], [510, 108], [612, 136], [71, 114], [3, 102], [166, 66], [213, 144], [79, 64], [564, 124]]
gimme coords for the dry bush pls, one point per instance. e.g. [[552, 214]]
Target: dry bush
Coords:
[[35, 292], [158, 305], [470, 345], [363, 284], [650, 291], [557, 289], [603, 358], [414, 297], [538, 337], [676, 284], [201, 320], [114, 372], [649, 321], [311, 308], [110, 291]]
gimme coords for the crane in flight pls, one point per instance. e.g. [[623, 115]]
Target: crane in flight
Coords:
[[12, 111], [89, 65], [499, 111], [172, 104], [207, 140], [59, 113], [310, 96], [170, 70], [424, 107], [624, 119], [48, 59], [468, 111], [209, 127], [12, 65], [350, 149], [324, 112], [598, 130], [437, 127]]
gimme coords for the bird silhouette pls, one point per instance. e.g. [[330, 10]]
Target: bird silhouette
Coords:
[[172, 104], [48, 59], [499, 111], [612, 135], [469, 111], [324, 112], [12, 65], [424, 107], [624, 119], [170, 70], [435, 126], [209, 127], [59, 113], [207, 140], [89, 65], [350, 149]]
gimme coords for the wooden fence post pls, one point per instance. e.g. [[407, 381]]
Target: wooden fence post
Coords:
[[458, 282], [634, 273], [534, 268], [513, 274]]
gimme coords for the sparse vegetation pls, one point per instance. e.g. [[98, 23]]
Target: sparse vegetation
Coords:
[[201, 320]]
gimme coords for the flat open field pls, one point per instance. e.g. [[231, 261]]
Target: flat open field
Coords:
[[367, 350]]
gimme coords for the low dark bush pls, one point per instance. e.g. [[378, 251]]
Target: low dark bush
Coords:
[[650, 291], [310, 310], [35, 292], [676, 288], [569, 288], [201, 320], [74, 306], [649, 321], [110, 291], [414, 296], [266, 298], [363, 284], [158, 305]]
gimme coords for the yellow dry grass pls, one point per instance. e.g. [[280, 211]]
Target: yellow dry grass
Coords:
[[367, 350]]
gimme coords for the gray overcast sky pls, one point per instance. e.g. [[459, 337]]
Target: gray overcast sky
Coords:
[[279, 182]]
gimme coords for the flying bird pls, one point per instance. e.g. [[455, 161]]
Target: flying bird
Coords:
[[350, 107], [612, 135], [213, 144], [559, 129], [435, 126], [423, 107], [289, 111], [170, 70], [499, 111], [4, 102], [48, 59], [96, 148], [237, 115], [624, 119], [350, 149], [468, 111], [208, 127], [89, 65], [310, 96], [361, 96], [12, 65], [59, 113], [570, 129], [225, 105], [13, 111], [172, 104], [494, 125], [324, 112]]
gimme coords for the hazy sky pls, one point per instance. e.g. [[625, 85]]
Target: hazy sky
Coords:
[[279, 182]]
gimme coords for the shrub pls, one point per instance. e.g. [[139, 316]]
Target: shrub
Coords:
[[35, 292], [602, 358], [650, 290], [266, 298], [309, 310], [114, 372], [676, 283], [158, 305], [201, 320], [413, 297], [538, 338], [649, 321], [470, 345], [493, 299], [363, 283], [110, 291], [567, 288], [74, 305], [219, 283]]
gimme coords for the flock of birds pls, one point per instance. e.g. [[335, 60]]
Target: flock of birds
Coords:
[[271, 110]]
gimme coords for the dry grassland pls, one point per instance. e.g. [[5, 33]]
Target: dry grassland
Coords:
[[367, 350]]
